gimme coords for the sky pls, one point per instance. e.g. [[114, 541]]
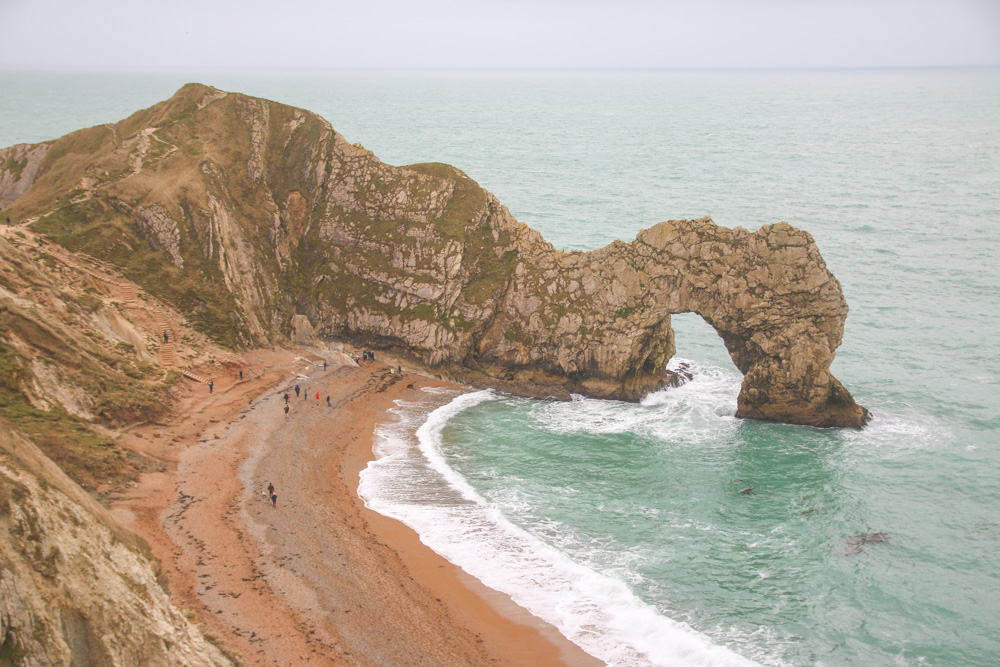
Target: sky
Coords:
[[497, 34]]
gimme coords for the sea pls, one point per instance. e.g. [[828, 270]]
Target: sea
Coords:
[[668, 532]]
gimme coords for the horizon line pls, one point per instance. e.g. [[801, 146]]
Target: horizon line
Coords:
[[386, 69]]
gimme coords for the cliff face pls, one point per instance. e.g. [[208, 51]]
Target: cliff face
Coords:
[[246, 213], [74, 590], [77, 363]]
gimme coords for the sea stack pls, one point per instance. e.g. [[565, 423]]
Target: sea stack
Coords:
[[261, 221]]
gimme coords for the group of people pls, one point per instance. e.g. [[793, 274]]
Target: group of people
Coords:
[[299, 391], [365, 356]]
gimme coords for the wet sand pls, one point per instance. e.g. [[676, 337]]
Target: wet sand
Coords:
[[318, 579]]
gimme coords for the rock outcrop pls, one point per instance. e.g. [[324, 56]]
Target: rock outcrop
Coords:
[[249, 213], [74, 588]]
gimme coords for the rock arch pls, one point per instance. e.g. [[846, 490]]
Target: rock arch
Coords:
[[601, 320]]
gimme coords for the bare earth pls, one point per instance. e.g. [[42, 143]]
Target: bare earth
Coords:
[[319, 579]]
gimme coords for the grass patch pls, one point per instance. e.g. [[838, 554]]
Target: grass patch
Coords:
[[466, 200], [15, 167], [90, 459]]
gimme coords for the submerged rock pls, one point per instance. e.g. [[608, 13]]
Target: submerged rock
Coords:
[[856, 542]]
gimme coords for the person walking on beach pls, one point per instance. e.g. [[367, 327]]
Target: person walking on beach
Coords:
[[324, 365], [166, 337], [274, 500], [328, 401], [270, 488], [296, 391], [317, 395], [286, 399], [241, 375], [286, 409], [211, 386]]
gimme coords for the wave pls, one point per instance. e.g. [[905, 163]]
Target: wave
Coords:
[[412, 482], [700, 411]]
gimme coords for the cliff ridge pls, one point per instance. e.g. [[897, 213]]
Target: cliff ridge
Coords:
[[247, 213]]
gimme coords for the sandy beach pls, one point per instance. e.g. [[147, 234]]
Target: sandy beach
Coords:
[[318, 578]]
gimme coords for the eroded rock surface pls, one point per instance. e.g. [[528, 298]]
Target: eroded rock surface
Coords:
[[278, 216], [74, 588]]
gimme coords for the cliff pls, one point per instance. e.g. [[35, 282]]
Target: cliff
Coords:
[[78, 363], [74, 588], [247, 213]]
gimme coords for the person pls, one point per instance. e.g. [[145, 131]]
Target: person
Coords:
[[392, 371], [324, 365], [328, 401], [274, 500], [399, 371], [241, 375], [8, 221], [211, 386], [270, 488], [286, 399], [371, 355], [297, 391], [286, 409], [166, 338], [364, 355], [317, 395]]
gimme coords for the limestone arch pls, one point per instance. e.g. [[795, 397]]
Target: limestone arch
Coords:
[[768, 294]]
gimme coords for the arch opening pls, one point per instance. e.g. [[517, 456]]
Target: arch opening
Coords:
[[697, 340]]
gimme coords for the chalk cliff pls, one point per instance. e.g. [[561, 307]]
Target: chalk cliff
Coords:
[[247, 213], [74, 588]]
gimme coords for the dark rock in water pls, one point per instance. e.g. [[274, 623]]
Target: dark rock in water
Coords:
[[747, 491], [678, 376], [868, 538], [857, 541]]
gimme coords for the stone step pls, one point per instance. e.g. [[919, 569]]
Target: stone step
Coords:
[[192, 375], [168, 355], [129, 292]]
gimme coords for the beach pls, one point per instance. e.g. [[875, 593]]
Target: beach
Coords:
[[315, 578]]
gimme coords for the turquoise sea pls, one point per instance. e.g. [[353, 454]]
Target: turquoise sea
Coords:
[[626, 525]]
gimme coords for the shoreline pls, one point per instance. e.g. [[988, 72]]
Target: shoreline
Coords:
[[319, 577], [499, 619]]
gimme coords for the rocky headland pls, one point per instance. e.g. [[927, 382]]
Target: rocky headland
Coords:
[[262, 222]]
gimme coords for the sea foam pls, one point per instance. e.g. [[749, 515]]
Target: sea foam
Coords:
[[412, 481]]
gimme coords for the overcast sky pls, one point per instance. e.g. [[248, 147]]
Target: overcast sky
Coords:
[[184, 34]]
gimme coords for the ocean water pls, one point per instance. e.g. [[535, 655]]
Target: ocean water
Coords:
[[669, 532]]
